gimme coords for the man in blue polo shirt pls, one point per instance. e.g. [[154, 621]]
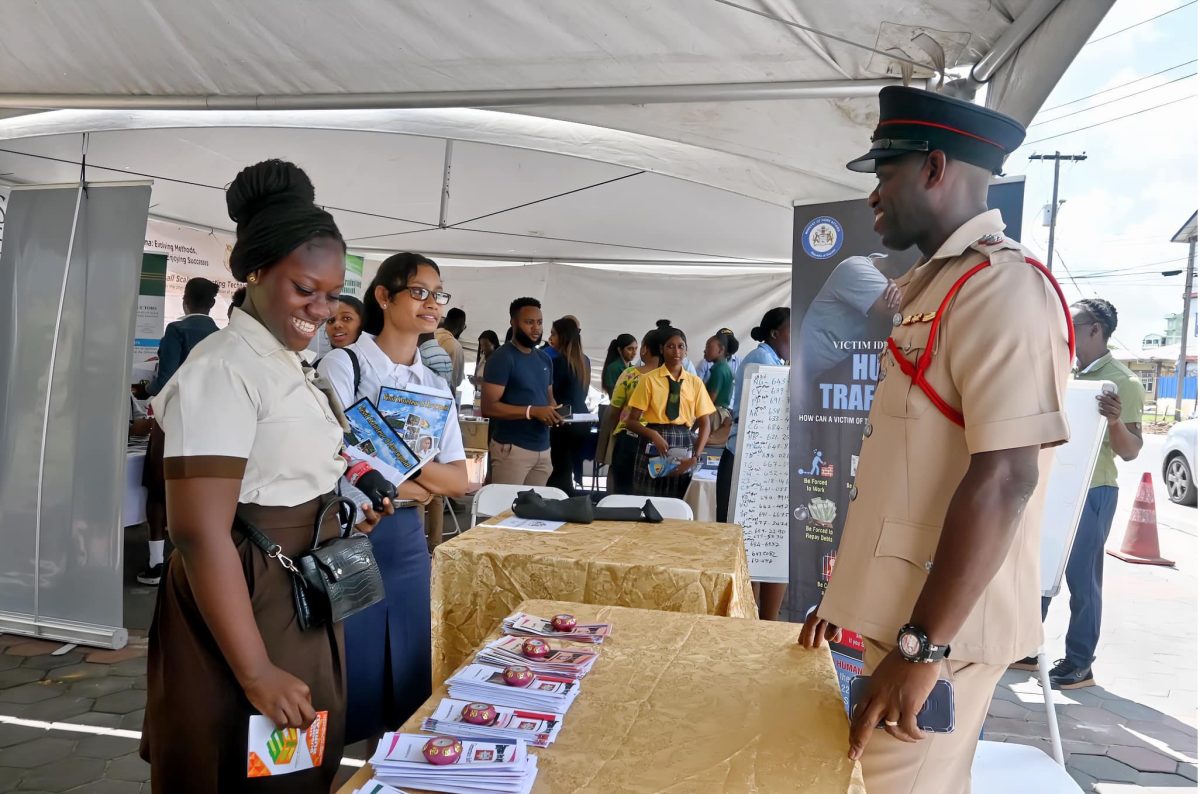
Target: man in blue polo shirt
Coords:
[[519, 401]]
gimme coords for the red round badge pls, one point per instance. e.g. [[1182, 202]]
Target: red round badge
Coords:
[[442, 750], [479, 714], [563, 622], [518, 675]]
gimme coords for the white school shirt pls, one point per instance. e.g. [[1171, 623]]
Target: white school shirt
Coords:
[[378, 371], [242, 406]]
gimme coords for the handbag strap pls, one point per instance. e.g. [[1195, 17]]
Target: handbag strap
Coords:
[[346, 513], [270, 548]]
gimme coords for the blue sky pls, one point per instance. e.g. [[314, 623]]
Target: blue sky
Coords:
[[1139, 183]]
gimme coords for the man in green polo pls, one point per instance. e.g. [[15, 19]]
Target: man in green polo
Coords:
[[1095, 320]]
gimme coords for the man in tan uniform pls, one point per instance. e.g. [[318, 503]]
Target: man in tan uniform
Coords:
[[938, 563]]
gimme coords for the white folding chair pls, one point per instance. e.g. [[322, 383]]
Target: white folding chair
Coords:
[[1003, 768], [492, 500], [670, 508], [1051, 715]]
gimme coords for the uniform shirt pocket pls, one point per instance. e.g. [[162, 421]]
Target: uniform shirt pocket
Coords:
[[908, 541], [897, 394]]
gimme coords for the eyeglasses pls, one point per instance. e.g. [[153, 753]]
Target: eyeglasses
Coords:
[[420, 294]]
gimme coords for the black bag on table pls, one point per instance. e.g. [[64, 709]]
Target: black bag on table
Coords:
[[579, 510]]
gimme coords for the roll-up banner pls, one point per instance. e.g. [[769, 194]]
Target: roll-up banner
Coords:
[[840, 322], [70, 267]]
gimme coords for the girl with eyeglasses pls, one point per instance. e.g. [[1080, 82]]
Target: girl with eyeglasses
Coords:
[[388, 649]]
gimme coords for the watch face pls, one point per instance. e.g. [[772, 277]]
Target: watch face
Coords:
[[910, 644]]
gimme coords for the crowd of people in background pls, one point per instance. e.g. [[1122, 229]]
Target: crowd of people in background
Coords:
[[280, 427]]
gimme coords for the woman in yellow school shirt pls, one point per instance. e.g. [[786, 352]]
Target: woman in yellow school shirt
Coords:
[[662, 410]]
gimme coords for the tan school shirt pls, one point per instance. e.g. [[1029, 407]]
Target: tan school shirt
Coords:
[[244, 407], [1001, 359]]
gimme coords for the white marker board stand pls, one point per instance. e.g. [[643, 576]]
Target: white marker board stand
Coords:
[[759, 491], [1070, 479]]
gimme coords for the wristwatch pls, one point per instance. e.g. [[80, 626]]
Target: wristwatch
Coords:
[[914, 646]]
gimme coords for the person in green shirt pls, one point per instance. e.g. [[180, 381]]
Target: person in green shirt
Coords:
[[1095, 320], [720, 376], [620, 355]]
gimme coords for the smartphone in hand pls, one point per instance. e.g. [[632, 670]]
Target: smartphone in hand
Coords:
[[936, 716]]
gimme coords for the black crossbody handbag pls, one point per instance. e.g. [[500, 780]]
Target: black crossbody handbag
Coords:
[[332, 580]]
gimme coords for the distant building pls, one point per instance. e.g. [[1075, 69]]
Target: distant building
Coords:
[[1154, 340]]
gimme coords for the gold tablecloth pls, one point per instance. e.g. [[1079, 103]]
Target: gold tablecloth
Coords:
[[676, 566], [693, 704]]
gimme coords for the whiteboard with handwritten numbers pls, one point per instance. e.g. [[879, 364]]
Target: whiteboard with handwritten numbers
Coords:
[[759, 493]]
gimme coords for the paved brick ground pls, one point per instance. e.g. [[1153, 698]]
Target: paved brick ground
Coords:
[[1135, 731], [1137, 728]]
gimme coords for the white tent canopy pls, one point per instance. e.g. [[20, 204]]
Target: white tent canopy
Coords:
[[601, 81], [628, 131]]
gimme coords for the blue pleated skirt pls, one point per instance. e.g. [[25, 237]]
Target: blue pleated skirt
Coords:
[[388, 648]]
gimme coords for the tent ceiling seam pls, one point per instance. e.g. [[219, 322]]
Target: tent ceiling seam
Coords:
[[816, 32], [547, 198]]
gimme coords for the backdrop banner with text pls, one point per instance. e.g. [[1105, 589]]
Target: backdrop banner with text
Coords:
[[840, 321]]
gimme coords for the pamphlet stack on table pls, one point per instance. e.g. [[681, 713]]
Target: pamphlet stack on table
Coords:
[[680, 702], [485, 683], [523, 625], [375, 786], [538, 728], [500, 766], [565, 659]]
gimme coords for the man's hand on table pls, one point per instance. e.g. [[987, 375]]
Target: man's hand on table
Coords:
[[817, 630], [897, 692]]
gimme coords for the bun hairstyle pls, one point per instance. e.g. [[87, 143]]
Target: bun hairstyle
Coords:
[[772, 321], [729, 340], [200, 294], [652, 341], [394, 273], [272, 204]]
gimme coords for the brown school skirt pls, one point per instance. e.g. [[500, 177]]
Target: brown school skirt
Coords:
[[194, 736]]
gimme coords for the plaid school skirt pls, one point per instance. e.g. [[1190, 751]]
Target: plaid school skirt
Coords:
[[643, 483]]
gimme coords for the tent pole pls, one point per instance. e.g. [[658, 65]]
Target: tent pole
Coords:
[[1012, 39], [527, 97]]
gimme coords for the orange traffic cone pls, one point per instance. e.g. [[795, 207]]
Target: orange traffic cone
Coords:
[[1141, 536]]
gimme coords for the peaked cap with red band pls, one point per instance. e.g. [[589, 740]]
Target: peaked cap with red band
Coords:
[[914, 120]]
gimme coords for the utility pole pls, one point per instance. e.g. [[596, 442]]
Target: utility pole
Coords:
[[1181, 371], [1057, 158]]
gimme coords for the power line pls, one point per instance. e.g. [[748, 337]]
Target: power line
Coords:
[[1143, 22], [1116, 87], [1108, 102], [1128, 268], [1108, 121]]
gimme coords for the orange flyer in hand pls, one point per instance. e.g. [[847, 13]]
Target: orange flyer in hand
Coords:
[[274, 751]]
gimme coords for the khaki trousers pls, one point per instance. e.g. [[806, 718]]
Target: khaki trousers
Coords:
[[513, 465], [941, 764]]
